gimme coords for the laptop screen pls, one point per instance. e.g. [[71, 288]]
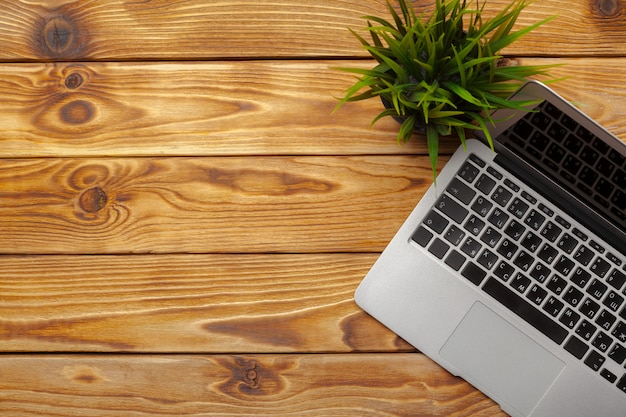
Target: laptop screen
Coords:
[[568, 153]]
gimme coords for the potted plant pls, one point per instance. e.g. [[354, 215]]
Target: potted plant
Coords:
[[442, 74]]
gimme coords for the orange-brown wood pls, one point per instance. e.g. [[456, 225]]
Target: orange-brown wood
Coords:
[[188, 303], [218, 385], [177, 196], [200, 205], [81, 30]]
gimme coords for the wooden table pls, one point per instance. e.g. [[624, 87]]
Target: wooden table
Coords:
[[183, 221]]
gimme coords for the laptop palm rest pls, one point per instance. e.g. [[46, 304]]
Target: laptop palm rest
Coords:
[[500, 360]]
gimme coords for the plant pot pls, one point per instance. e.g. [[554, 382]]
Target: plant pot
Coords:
[[420, 126]]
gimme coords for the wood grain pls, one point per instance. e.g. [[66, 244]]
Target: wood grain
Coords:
[[226, 108], [242, 385], [199, 205], [230, 108], [188, 303], [197, 30]]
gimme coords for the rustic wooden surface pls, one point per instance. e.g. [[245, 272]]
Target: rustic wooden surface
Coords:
[[183, 220]]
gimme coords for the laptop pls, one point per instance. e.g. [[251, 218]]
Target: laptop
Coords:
[[511, 270]]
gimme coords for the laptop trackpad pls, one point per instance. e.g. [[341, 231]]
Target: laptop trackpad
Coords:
[[501, 360]]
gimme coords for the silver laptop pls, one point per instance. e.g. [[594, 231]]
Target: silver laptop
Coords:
[[511, 271]]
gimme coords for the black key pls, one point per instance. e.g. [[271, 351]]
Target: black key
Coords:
[[455, 260], [567, 243], [471, 247], [569, 318], [435, 221], [518, 208], [515, 230], [600, 267], [573, 296], [584, 255], [557, 284], [507, 248], [474, 273], [613, 301], [594, 360], [560, 220], [602, 342], [504, 271], [524, 260], [589, 308], [454, 235], [474, 225], [511, 185], [616, 279], [551, 231], [553, 306], [586, 330], [468, 172], [485, 184], [451, 208], [548, 253], [564, 266], [439, 248], [482, 206], [580, 277], [540, 272], [621, 384], [487, 259], [501, 196], [475, 159], [525, 310], [461, 191], [608, 375], [605, 320], [537, 294], [535, 219], [422, 236], [491, 237], [498, 218], [576, 347], [531, 242], [520, 283], [618, 353], [620, 332], [597, 289]]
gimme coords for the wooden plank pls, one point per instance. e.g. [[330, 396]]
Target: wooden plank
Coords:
[[226, 205], [197, 29], [218, 108], [162, 30], [365, 385], [188, 303], [229, 108]]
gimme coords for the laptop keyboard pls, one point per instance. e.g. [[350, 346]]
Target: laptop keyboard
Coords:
[[541, 265]]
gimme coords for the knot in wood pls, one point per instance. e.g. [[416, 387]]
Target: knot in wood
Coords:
[[77, 112], [606, 8], [93, 200], [60, 38], [74, 80], [251, 374]]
